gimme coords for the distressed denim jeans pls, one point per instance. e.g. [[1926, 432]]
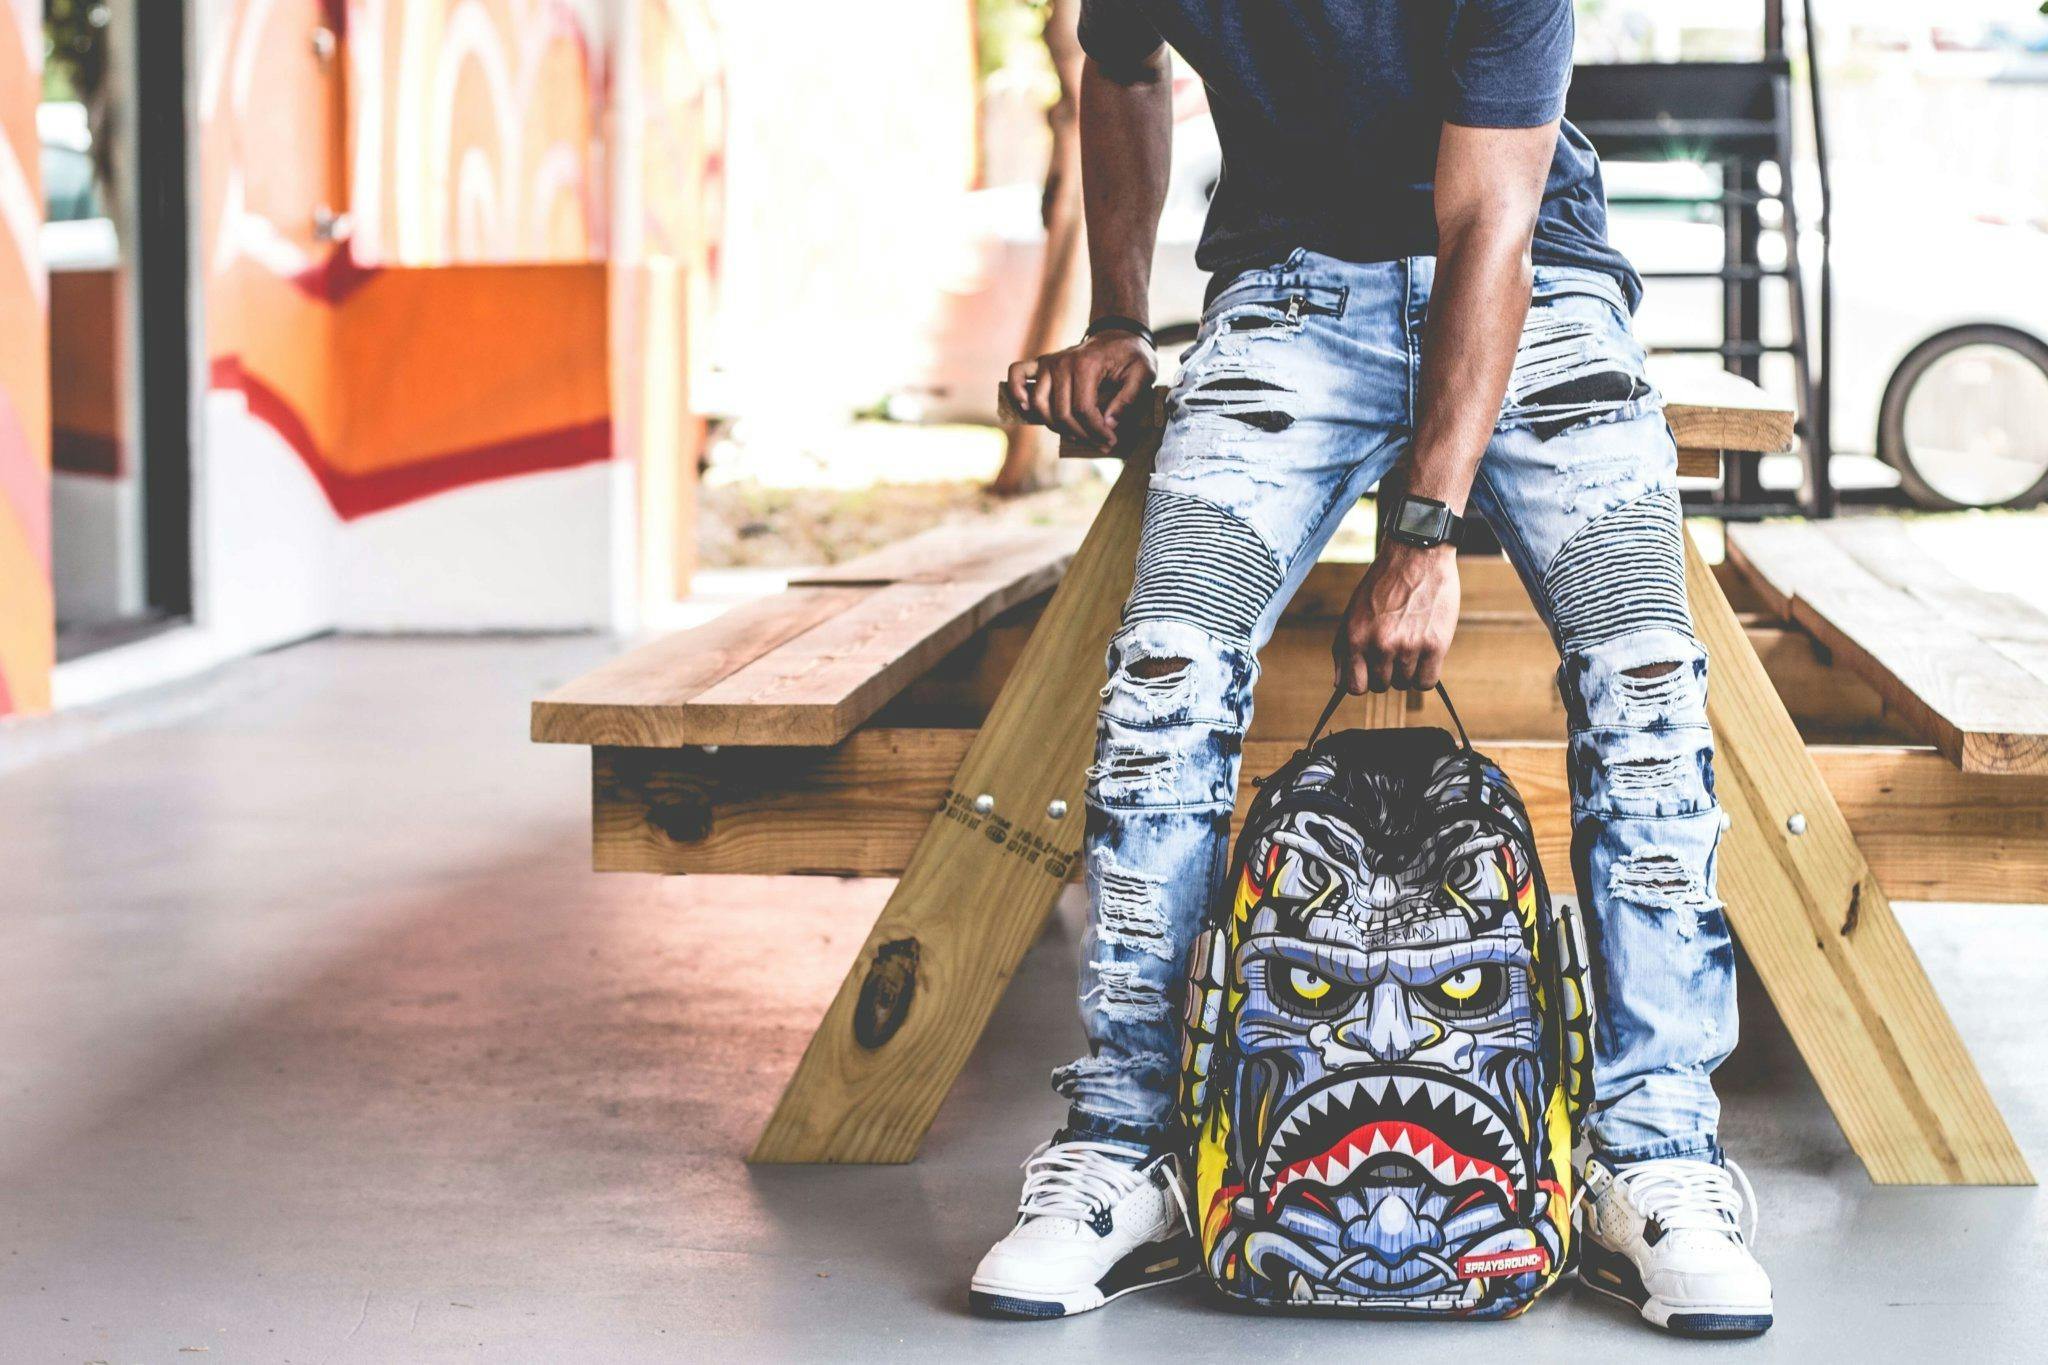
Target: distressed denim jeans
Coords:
[[1296, 397]]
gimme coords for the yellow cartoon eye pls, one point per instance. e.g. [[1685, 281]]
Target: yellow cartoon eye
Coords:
[[1471, 992], [1307, 984], [1462, 985]]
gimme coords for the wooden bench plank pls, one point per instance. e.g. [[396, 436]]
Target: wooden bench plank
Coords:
[[1698, 464], [639, 697], [809, 665], [1714, 410], [1886, 549], [1985, 712], [817, 687], [1929, 831], [978, 549]]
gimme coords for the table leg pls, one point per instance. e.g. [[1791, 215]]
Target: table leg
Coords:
[[1823, 939], [978, 886]]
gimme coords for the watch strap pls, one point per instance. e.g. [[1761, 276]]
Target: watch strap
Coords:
[[1115, 322]]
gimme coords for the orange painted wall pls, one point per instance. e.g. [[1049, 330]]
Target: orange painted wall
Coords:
[[27, 621], [428, 380], [395, 384]]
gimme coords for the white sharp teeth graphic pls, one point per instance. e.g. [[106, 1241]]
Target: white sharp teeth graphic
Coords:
[[1379, 1142], [1406, 1086], [1403, 1145], [1378, 1088]]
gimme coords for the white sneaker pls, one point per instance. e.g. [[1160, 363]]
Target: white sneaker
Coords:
[[1095, 1223], [1667, 1237]]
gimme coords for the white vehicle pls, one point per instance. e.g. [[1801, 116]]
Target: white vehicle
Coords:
[[1941, 352]]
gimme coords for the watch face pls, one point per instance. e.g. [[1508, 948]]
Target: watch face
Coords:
[[1422, 520]]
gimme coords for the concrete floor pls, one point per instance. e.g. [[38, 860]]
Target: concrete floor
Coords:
[[319, 1042]]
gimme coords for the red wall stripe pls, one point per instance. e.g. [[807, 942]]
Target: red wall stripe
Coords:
[[354, 495]]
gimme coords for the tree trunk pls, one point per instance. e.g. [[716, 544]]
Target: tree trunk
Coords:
[[1031, 459]]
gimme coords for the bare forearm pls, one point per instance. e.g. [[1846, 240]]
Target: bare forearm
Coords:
[[1476, 311], [1126, 149], [1126, 141], [1489, 189]]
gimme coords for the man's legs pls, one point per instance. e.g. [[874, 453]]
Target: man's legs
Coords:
[[1283, 414], [1580, 482], [1585, 499], [1274, 432]]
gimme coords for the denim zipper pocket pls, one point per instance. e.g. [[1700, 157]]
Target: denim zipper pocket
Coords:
[[1293, 301], [1278, 307]]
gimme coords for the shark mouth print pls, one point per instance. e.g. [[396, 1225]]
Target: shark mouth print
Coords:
[[1448, 1133], [1402, 1185]]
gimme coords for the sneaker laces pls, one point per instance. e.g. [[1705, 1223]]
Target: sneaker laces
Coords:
[[1681, 1193], [1074, 1179]]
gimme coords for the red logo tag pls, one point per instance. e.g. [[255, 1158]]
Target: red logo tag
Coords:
[[1518, 1261]]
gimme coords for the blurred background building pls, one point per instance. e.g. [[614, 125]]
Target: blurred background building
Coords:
[[464, 315], [388, 314]]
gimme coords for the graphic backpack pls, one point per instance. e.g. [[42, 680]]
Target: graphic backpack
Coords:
[[1389, 1040]]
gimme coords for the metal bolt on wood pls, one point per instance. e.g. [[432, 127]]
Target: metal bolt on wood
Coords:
[[1796, 823], [984, 804], [1055, 809]]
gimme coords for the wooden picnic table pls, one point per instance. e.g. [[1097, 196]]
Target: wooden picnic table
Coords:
[[927, 712]]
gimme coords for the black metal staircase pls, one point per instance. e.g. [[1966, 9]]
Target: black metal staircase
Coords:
[[1739, 118]]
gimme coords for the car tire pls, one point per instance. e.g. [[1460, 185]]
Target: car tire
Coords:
[[1892, 445]]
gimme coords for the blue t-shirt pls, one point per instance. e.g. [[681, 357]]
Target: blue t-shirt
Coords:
[[1329, 112]]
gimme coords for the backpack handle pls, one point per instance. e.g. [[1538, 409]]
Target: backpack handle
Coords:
[[1337, 699]]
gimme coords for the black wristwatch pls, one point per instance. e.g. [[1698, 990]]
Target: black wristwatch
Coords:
[[1422, 522]]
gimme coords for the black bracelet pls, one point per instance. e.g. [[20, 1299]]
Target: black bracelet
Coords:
[[1112, 323]]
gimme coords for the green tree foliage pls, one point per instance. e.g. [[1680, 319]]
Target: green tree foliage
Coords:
[[1003, 27], [75, 58]]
